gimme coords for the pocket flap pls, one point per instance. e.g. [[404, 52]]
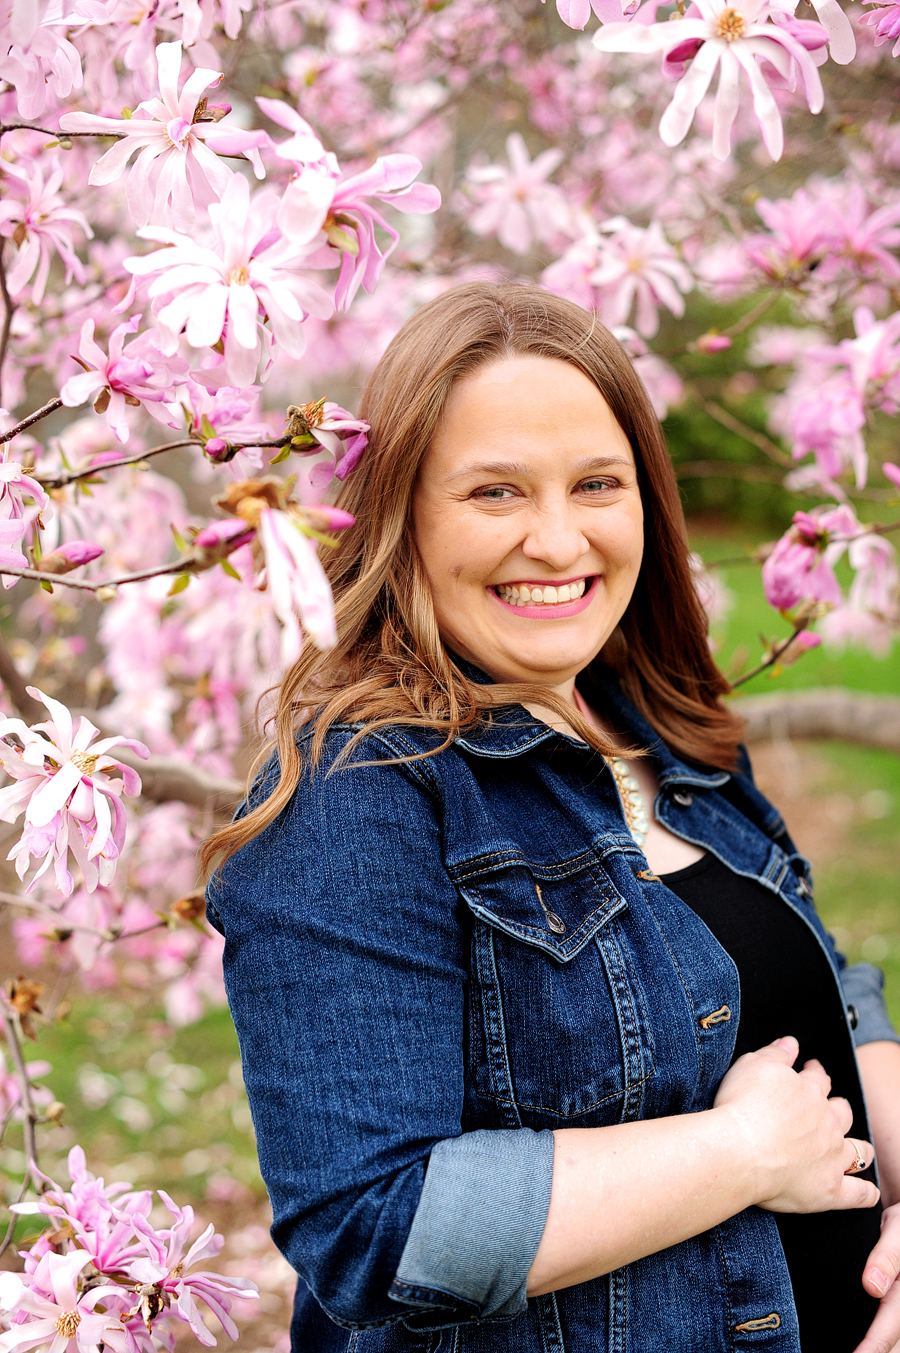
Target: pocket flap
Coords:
[[556, 907]]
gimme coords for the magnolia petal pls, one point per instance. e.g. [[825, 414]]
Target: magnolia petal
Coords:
[[52, 796], [842, 42], [727, 101], [676, 120], [764, 105]]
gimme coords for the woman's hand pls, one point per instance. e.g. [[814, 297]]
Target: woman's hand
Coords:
[[879, 1280], [795, 1134]]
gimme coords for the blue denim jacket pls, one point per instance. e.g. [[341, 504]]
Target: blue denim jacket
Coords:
[[433, 964]]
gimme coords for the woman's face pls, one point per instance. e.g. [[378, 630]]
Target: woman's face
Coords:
[[528, 520]]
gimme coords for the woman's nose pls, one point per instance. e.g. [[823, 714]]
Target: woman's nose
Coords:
[[554, 538]]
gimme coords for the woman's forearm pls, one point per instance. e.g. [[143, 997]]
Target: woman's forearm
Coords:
[[623, 1192], [879, 1066], [772, 1138]]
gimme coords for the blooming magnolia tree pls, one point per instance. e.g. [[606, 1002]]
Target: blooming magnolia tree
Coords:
[[214, 214]]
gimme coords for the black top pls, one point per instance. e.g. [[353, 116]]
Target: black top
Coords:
[[787, 988]]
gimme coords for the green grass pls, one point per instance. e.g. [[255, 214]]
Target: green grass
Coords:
[[738, 637]]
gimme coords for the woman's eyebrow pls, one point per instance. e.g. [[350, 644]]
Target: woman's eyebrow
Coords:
[[501, 468]]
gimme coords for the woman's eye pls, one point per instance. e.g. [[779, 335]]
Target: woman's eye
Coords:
[[598, 485], [496, 492]]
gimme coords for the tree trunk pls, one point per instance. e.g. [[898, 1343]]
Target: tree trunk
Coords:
[[829, 712]]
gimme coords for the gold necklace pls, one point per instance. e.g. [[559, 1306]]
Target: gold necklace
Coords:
[[637, 819], [636, 816]]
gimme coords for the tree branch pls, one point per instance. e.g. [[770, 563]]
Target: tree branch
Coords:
[[60, 481], [30, 709], [872, 720], [727, 469], [8, 311], [13, 1039], [773, 656], [749, 434], [50, 407], [57, 134], [166, 777]]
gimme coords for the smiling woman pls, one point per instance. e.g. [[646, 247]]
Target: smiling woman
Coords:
[[520, 959]]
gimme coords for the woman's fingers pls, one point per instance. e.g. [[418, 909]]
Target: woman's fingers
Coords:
[[855, 1193], [884, 1332], [813, 1070], [883, 1263], [863, 1155]]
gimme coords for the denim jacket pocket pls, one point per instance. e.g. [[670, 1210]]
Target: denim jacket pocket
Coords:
[[559, 1030]]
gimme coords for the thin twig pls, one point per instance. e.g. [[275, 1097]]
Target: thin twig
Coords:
[[752, 315], [749, 434], [770, 659], [12, 1026], [727, 469], [182, 565], [60, 481], [8, 311], [50, 407], [10, 676], [10, 1230], [57, 134]]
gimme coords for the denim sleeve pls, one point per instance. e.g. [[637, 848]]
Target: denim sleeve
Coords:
[[346, 961], [863, 987]]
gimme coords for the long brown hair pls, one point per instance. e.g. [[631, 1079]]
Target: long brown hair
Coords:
[[389, 665]]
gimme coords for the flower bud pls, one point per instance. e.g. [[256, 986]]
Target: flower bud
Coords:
[[106, 593], [71, 555], [217, 448], [713, 343], [190, 907], [55, 1111]]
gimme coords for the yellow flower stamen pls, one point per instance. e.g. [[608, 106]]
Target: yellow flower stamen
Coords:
[[68, 1323], [730, 25]]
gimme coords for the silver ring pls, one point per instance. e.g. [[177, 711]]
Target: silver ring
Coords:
[[859, 1163]]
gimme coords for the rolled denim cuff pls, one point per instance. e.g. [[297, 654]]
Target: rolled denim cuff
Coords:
[[478, 1224], [863, 983]]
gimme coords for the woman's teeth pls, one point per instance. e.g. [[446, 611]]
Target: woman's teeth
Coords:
[[522, 595]]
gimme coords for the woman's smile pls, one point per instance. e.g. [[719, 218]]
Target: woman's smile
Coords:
[[548, 600]]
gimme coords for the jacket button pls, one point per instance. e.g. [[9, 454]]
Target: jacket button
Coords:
[[683, 798], [852, 1016]]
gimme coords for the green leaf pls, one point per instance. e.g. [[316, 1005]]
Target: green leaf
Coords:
[[179, 584], [281, 455], [178, 537], [206, 427], [48, 587], [230, 569]]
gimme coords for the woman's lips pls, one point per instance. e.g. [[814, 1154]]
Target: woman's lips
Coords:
[[539, 610]]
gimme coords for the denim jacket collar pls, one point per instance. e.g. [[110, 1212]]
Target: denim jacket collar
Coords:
[[513, 730]]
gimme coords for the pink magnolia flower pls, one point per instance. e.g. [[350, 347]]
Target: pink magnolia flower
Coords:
[[170, 1258], [39, 223], [10, 1090], [892, 472], [57, 1316], [14, 484], [733, 37], [296, 582], [885, 19], [140, 375], [222, 290], [179, 138], [324, 426], [638, 269], [62, 784], [316, 200], [517, 204], [801, 566], [41, 64]]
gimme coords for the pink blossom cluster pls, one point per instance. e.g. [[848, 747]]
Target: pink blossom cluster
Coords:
[[61, 783], [104, 1275]]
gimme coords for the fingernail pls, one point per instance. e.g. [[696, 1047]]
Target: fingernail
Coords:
[[877, 1280], [787, 1042]]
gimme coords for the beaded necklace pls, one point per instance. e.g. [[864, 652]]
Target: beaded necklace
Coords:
[[637, 818]]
